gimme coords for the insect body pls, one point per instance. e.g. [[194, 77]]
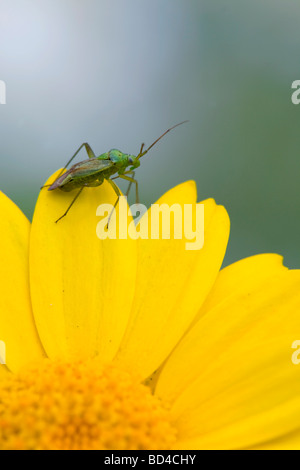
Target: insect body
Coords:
[[92, 172]]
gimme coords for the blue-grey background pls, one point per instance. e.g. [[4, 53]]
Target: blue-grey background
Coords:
[[119, 72]]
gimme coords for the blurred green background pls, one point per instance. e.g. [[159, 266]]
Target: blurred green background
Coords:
[[115, 73]]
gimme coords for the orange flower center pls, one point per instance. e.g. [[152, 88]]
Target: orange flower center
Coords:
[[56, 405]]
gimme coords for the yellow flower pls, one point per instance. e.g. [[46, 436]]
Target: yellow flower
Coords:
[[123, 344]]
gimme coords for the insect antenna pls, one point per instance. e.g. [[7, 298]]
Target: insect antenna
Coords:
[[142, 153]]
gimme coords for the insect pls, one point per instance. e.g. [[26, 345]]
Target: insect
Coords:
[[93, 171]]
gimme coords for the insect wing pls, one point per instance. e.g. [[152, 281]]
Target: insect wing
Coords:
[[80, 170], [89, 167]]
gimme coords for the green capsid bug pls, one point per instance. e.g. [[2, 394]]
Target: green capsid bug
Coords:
[[93, 171]]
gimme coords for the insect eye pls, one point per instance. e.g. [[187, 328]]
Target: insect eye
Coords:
[[130, 160]]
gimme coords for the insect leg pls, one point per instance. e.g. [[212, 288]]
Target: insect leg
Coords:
[[132, 181], [118, 193], [130, 184], [75, 199], [88, 149]]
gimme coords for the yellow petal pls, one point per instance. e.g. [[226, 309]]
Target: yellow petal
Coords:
[[17, 328], [3, 371], [231, 381], [82, 287], [172, 283], [289, 442], [247, 271], [238, 279]]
